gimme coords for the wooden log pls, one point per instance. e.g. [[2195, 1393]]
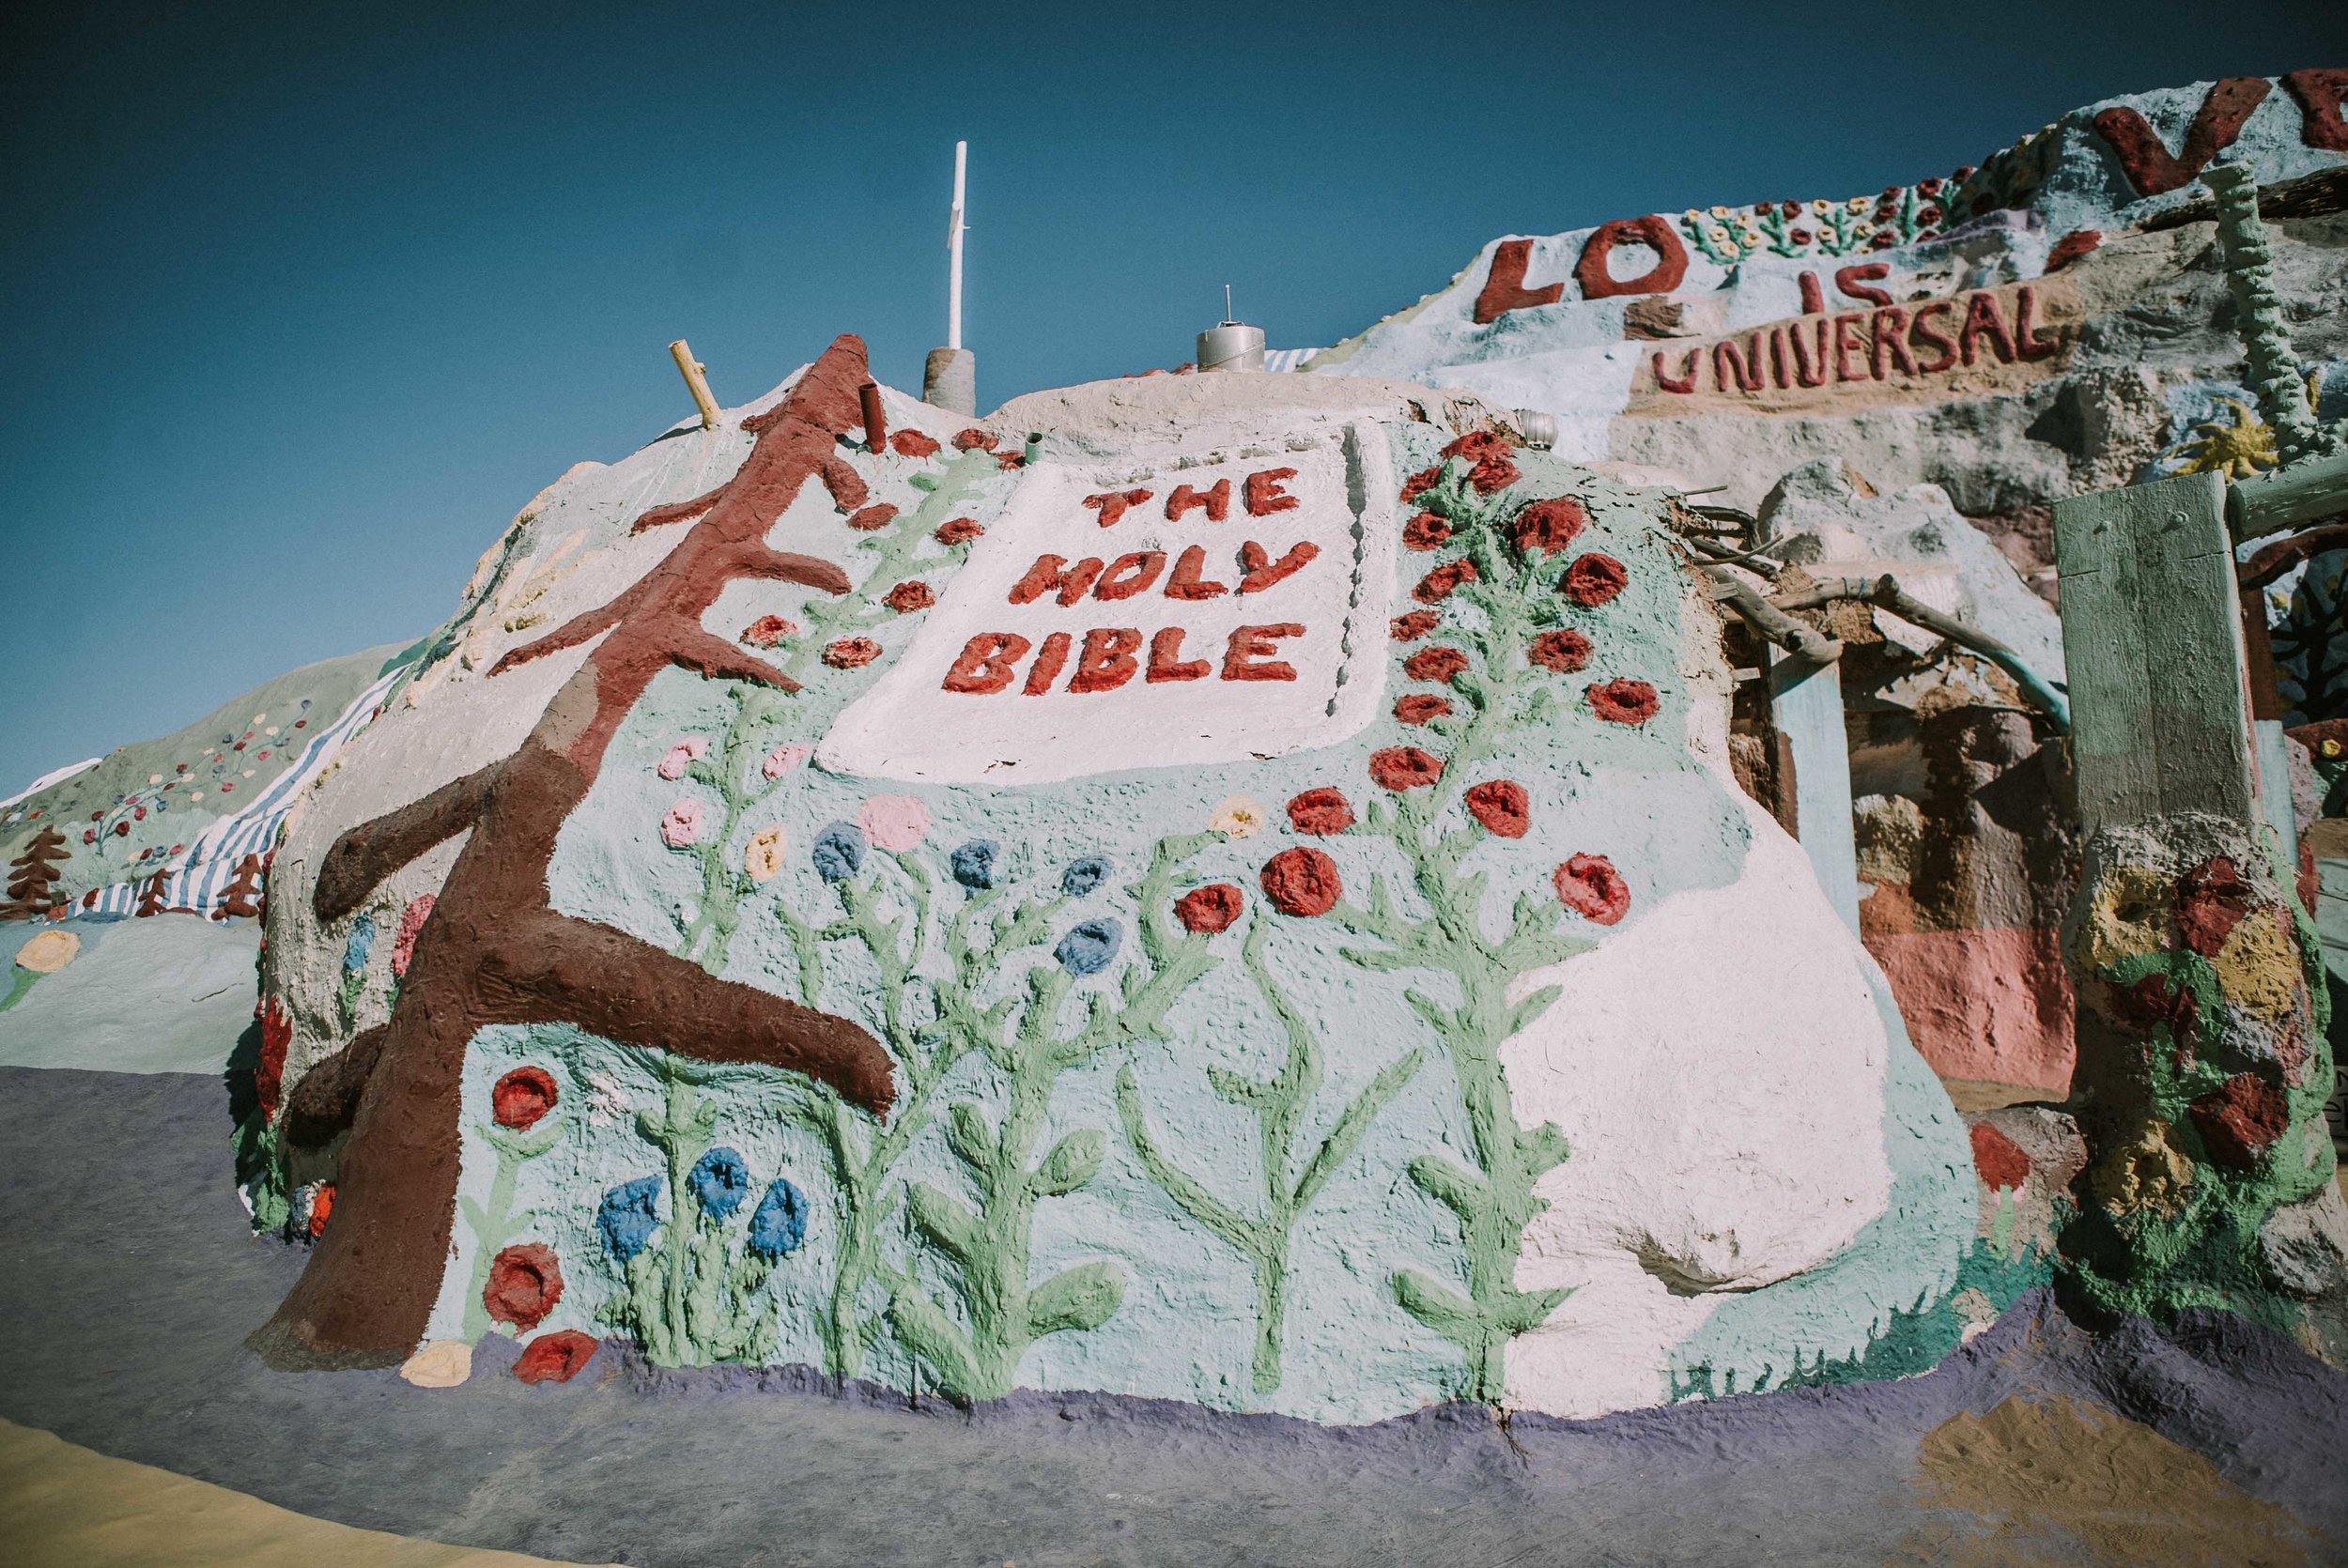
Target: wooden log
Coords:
[[696, 381], [2152, 641]]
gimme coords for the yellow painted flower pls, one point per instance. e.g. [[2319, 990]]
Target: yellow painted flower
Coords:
[[765, 855], [1692, 216], [1722, 237], [1237, 818], [1862, 230], [1720, 212], [1857, 204], [1822, 206]]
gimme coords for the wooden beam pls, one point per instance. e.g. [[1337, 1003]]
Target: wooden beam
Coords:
[[696, 381], [2151, 640]]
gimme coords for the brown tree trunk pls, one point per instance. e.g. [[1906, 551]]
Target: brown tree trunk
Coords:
[[493, 950]]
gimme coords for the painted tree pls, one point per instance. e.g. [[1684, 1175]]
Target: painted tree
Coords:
[[495, 951], [33, 876], [241, 899]]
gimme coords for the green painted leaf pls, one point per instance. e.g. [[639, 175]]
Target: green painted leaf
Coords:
[[1523, 1311], [1443, 1310], [1072, 1163], [1237, 1088], [969, 1136], [1455, 1189], [932, 1336], [1542, 1149], [945, 1220], [1528, 1011], [1083, 1298]]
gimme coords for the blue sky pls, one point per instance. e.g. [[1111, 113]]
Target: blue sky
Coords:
[[299, 304]]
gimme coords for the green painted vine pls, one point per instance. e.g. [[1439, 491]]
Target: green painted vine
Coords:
[[1279, 1107], [495, 1223], [1511, 595]]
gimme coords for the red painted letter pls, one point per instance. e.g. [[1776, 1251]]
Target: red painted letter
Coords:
[[1845, 346], [1166, 662], [1264, 495], [1107, 660], [1981, 316], [1919, 331], [1853, 281], [1185, 583], [1504, 286], [987, 663], [1889, 327], [1129, 575], [1049, 573], [1671, 263], [1262, 571], [1249, 656], [2026, 338], [1046, 668], [1115, 504], [1216, 499], [1685, 380]]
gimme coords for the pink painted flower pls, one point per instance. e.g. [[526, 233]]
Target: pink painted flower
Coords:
[[412, 920], [682, 756], [783, 759], [682, 827], [894, 822]]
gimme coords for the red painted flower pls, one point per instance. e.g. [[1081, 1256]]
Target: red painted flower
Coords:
[[1404, 767], [558, 1358], [907, 597], [1421, 708], [1590, 887], [1302, 882], [1478, 446], [1439, 663], [1410, 628], [1624, 701], [1320, 811], [1419, 484], [1210, 909], [1501, 806], [1009, 460], [89, 835], [965, 440], [852, 653], [913, 443], [1549, 526], [867, 519], [268, 1076], [523, 1095], [525, 1283], [321, 1208], [1593, 579], [768, 631], [1493, 475], [1439, 584], [1426, 531], [1564, 651], [959, 531]]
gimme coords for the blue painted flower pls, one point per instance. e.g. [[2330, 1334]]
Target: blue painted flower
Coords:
[[974, 863], [360, 944], [780, 1223], [627, 1218], [1088, 946], [721, 1179], [838, 852], [1084, 875]]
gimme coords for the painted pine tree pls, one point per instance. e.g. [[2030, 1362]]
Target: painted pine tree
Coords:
[[33, 877]]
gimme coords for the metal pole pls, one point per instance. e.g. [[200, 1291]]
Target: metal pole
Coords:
[[953, 252]]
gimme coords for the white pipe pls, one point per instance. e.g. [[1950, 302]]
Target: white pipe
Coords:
[[953, 252]]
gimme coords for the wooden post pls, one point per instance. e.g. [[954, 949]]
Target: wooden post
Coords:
[[2151, 640], [875, 418], [1806, 710], [696, 380]]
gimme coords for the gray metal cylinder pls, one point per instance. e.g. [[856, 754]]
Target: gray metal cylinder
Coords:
[[1538, 429], [1230, 345], [950, 381]]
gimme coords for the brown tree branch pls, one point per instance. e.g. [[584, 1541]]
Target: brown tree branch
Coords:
[[327, 1099], [364, 857], [678, 512], [558, 969], [711, 655], [577, 629]]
